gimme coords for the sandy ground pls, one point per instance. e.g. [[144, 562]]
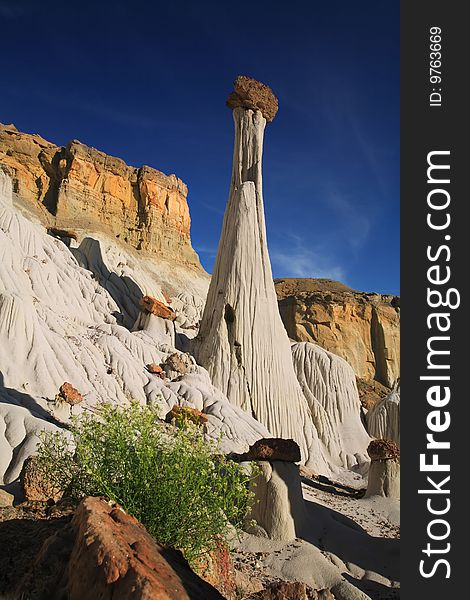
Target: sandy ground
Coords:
[[349, 544], [378, 517]]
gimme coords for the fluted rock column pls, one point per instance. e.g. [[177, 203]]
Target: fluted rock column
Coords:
[[242, 341], [384, 472]]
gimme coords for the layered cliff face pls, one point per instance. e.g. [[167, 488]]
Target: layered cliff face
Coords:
[[362, 328], [78, 187]]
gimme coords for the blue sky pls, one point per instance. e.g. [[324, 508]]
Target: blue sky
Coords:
[[147, 81]]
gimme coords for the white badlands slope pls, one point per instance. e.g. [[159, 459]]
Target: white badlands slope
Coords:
[[62, 317], [57, 324]]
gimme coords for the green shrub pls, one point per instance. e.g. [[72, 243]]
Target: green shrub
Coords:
[[171, 479]]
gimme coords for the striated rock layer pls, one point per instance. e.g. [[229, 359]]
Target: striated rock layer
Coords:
[[363, 328], [75, 186]]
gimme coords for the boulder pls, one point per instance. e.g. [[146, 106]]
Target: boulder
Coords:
[[155, 370], [383, 450], [186, 413], [70, 395], [157, 308], [36, 487], [179, 363], [106, 553]]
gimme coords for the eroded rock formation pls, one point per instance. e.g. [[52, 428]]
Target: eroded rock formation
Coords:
[[329, 386], [362, 328], [242, 341], [77, 187], [384, 472], [279, 508], [59, 324], [383, 419]]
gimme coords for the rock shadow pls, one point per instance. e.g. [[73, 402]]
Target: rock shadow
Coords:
[[22, 540], [124, 291], [333, 532], [16, 398]]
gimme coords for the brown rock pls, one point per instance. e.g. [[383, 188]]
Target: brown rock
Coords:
[[109, 554], [155, 370], [157, 308], [249, 93], [363, 328], [273, 449], [70, 395], [75, 186], [216, 567], [246, 585], [186, 413], [370, 392], [36, 487], [383, 450], [177, 362]]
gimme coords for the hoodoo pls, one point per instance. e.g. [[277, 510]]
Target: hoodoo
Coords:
[[242, 341]]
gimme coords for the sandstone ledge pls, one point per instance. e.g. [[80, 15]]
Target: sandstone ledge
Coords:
[[78, 187]]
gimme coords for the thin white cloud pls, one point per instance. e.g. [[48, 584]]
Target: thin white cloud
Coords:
[[299, 260], [354, 223], [207, 251]]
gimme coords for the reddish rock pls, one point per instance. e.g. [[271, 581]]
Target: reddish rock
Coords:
[[249, 93], [383, 450], [157, 308], [114, 557], [155, 370], [273, 449], [186, 413], [67, 393], [216, 567], [36, 487]]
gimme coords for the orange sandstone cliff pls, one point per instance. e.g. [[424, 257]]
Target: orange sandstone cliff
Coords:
[[363, 328], [78, 187]]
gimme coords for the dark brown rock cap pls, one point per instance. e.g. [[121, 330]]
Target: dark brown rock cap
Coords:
[[249, 93], [383, 450], [272, 449]]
